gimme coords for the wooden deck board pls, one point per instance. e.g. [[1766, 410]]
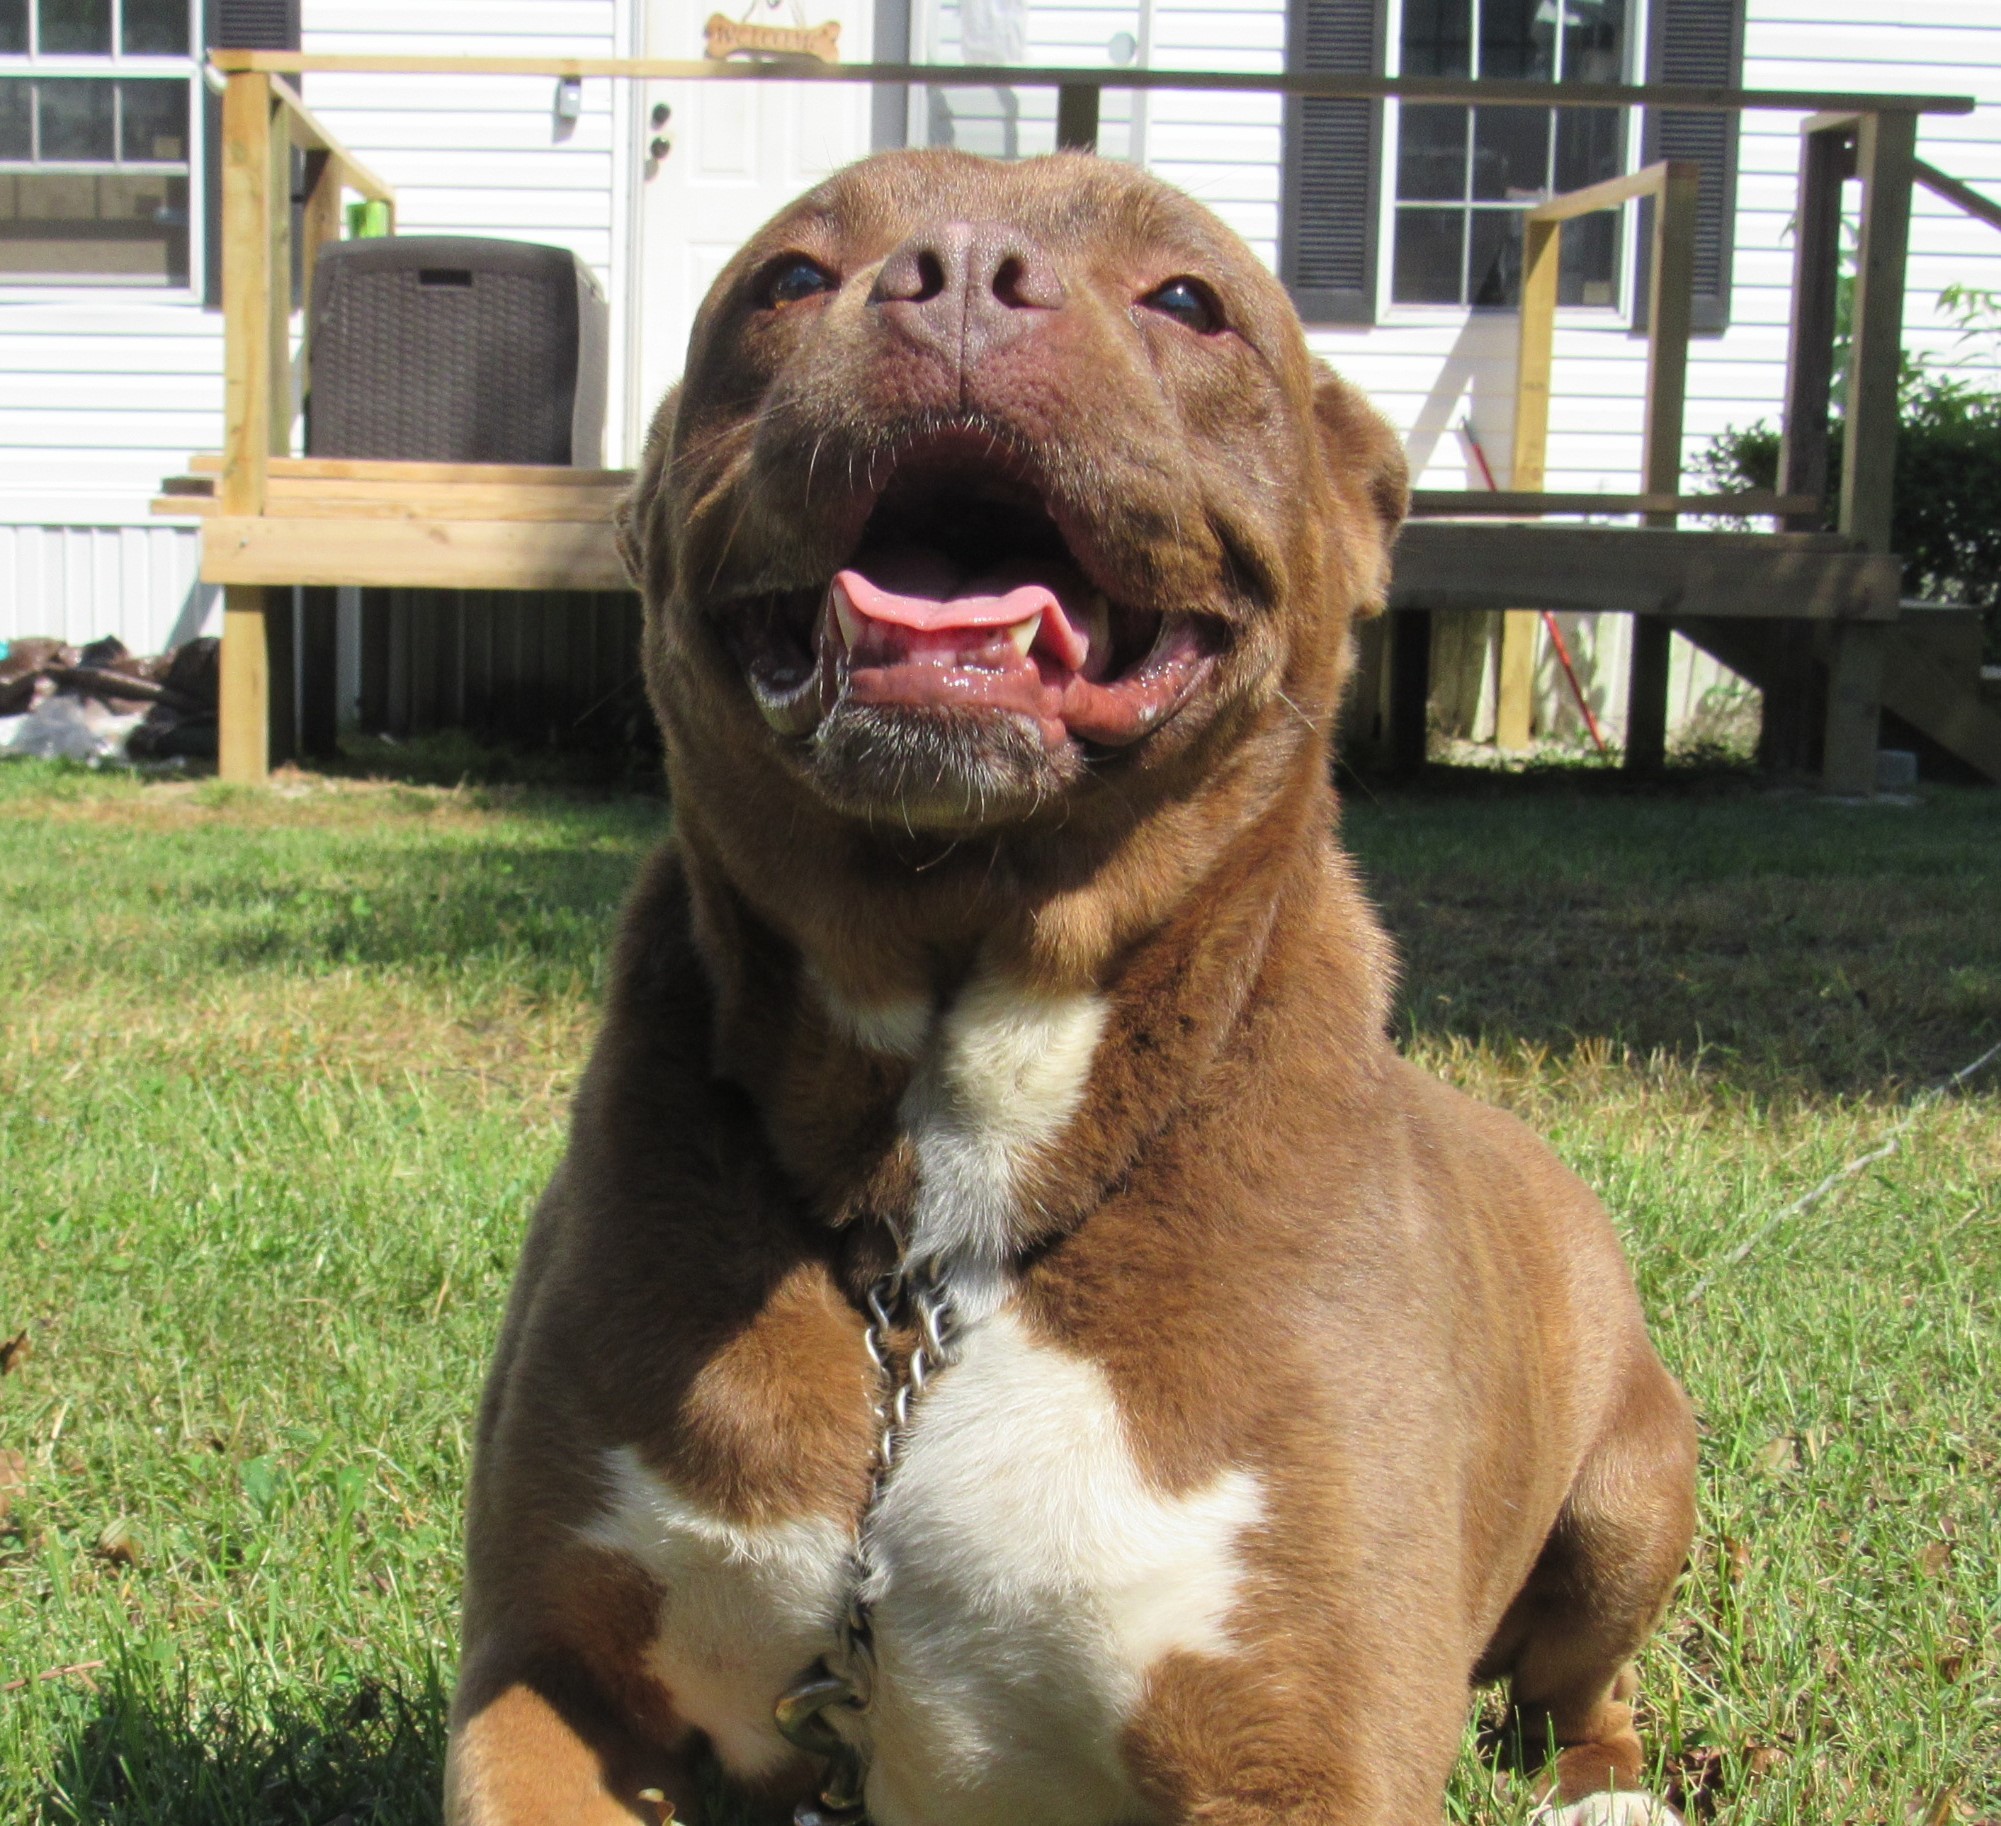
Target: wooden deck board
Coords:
[[414, 554], [1453, 565], [1440, 564]]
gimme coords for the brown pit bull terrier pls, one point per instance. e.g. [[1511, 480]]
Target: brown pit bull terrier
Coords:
[[1011, 1343]]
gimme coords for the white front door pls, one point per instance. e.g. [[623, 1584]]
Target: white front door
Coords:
[[735, 154]]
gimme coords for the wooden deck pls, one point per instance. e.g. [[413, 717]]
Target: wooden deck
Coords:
[[272, 521]]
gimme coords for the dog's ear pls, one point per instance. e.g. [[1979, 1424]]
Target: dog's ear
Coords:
[[1365, 463], [638, 520]]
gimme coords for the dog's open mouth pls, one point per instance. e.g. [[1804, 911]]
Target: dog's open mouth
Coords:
[[964, 593]]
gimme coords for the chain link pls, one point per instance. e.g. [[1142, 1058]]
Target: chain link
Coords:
[[847, 1677]]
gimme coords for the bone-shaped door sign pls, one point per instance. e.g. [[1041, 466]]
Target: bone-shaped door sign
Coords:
[[739, 38]]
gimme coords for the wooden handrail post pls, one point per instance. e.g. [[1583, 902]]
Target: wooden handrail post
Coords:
[[248, 295], [1514, 674], [1885, 152], [1670, 315], [1827, 160], [246, 292], [284, 400]]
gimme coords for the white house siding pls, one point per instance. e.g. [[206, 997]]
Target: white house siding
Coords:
[[1433, 370], [103, 393]]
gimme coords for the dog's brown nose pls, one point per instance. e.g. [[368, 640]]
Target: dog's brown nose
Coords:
[[964, 288]]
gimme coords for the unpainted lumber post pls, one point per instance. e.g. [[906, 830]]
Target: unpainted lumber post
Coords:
[[1514, 682], [1670, 316], [243, 723], [319, 224], [1885, 151], [1077, 117], [278, 320], [1827, 159]]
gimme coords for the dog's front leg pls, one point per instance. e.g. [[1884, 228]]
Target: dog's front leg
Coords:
[[532, 1744], [1285, 1743]]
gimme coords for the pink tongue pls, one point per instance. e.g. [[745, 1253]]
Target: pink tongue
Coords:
[[932, 600]]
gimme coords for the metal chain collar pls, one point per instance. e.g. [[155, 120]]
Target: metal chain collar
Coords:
[[847, 1676]]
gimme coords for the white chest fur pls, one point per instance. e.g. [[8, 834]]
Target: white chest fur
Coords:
[[1026, 1571], [1027, 1576]]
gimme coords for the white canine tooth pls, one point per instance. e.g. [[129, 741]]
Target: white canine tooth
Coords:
[[1021, 635], [846, 620], [1095, 622]]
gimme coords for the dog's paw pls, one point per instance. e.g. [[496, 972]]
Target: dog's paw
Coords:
[[1625, 1808]]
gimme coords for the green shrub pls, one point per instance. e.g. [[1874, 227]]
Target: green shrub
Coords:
[[1946, 514]]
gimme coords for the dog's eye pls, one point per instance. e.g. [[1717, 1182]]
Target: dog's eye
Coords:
[[795, 278], [1189, 302]]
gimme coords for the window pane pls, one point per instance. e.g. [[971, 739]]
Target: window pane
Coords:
[[78, 120], [1587, 146], [75, 27], [1594, 40], [153, 121], [1587, 260], [126, 228], [1494, 256], [156, 27], [1510, 153], [1517, 38], [17, 132], [1431, 154], [1426, 267], [1437, 37], [13, 26]]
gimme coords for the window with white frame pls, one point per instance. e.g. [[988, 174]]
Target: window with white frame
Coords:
[[1464, 176], [97, 112], [1420, 204]]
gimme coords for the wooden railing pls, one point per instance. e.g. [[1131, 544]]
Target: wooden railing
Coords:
[[264, 119], [263, 122], [1672, 184]]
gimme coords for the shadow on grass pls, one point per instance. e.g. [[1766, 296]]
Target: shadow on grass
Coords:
[[367, 1753], [450, 757], [1783, 943], [545, 914]]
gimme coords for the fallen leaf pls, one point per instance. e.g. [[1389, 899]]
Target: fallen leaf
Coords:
[[1736, 1559], [1762, 1759], [13, 1477], [1950, 1667], [119, 1545], [14, 1352], [1776, 1455], [1934, 1557], [1694, 1781], [1941, 1810]]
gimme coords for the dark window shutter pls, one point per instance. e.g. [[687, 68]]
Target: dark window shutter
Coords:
[[232, 25], [1333, 153], [1697, 41], [254, 25]]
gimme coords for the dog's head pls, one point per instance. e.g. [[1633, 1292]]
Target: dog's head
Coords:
[[994, 488]]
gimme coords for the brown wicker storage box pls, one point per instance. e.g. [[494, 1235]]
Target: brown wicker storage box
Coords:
[[451, 349]]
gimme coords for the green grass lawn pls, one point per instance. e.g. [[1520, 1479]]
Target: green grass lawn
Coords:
[[281, 1074]]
